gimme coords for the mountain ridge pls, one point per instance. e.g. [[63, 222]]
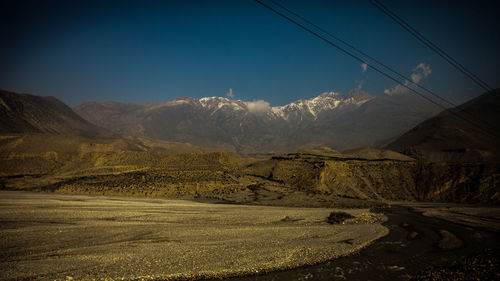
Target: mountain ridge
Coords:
[[331, 118], [465, 133], [26, 113]]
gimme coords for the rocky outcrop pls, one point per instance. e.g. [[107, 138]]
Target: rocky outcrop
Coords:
[[459, 182], [383, 179], [344, 177]]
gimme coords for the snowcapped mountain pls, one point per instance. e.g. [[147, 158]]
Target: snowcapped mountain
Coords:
[[301, 109], [333, 119], [217, 103], [315, 107]]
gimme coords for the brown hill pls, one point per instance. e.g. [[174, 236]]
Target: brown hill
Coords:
[[113, 166], [467, 133], [24, 113]]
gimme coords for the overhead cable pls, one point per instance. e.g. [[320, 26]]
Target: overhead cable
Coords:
[[367, 63], [415, 33]]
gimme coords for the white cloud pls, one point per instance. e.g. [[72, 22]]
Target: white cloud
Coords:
[[230, 94], [364, 66], [426, 70], [258, 106], [421, 71]]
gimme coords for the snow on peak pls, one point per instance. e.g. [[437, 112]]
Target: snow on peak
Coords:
[[303, 108], [216, 103], [327, 101], [330, 95]]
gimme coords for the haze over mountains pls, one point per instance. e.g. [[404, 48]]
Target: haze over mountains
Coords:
[[337, 120]]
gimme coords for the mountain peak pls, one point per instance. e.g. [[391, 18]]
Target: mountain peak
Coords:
[[358, 94], [185, 98], [330, 95], [214, 98], [216, 103], [331, 118]]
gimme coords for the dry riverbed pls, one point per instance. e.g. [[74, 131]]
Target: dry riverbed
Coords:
[[53, 236], [481, 216]]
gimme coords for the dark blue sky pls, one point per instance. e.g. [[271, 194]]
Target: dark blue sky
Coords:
[[137, 51]]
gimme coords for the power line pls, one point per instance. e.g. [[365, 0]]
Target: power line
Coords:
[[372, 58], [434, 48], [347, 52], [438, 51], [429, 44], [369, 65], [363, 53]]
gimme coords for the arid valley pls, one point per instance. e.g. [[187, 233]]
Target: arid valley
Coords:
[[262, 140], [160, 210]]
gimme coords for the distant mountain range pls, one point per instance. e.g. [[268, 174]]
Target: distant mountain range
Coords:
[[45, 145], [341, 121], [337, 120]]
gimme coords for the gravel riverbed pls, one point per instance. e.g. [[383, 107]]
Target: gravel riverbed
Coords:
[[55, 237]]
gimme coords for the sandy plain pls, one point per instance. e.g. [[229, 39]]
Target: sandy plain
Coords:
[[56, 237]]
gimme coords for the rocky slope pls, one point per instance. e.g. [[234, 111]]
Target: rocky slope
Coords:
[[113, 166], [394, 177], [23, 113], [337, 120], [468, 133]]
